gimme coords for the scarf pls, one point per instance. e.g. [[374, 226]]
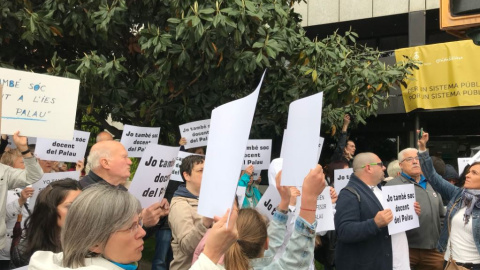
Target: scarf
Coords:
[[249, 193], [470, 199]]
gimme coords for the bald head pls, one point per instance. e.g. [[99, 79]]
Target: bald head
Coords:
[[109, 160], [104, 136], [368, 167]]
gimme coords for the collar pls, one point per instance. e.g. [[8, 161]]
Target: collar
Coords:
[[97, 179], [422, 182], [131, 266]]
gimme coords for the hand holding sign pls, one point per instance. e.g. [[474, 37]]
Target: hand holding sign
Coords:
[[21, 143], [422, 141], [152, 214], [382, 218], [313, 185]]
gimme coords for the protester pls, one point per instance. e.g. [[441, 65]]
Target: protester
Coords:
[[102, 231], [345, 149], [110, 165], [43, 227], [257, 243], [393, 170], [252, 194], [187, 226], [14, 178], [330, 170], [104, 136], [194, 150], [460, 236], [422, 240], [16, 209], [363, 241]]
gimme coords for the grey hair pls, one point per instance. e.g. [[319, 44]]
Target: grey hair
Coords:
[[394, 168], [362, 159], [95, 155], [93, 217], [402, 153]]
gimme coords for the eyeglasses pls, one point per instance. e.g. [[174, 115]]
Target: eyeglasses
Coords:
[[410, 159], [373, 164], [134, 228]]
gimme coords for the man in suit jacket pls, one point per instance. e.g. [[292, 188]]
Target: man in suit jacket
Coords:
[[361, 222]]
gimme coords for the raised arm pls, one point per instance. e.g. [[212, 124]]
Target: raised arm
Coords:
[[441, 185]]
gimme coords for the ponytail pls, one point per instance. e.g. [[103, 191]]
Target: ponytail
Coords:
[[235, 258], [252, 236]]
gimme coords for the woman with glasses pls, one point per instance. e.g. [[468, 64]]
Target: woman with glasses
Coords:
[[103, 230], [43, 226], [460, 235]]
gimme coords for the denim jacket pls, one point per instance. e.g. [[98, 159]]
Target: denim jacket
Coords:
[[300, 247], [453, 194]]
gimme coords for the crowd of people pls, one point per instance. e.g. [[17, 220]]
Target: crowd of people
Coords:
[[94, 223]]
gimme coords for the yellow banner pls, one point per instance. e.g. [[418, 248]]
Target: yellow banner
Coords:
[[449, 76]]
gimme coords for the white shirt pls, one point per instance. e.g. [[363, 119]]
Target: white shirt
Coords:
[[400, 253], [463, 244]]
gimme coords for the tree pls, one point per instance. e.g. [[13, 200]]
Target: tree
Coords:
[[164, 63]]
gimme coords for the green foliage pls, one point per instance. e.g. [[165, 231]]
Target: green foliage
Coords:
[[165, 63]]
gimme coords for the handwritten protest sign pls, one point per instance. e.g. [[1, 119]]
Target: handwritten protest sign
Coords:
[[462, 163], [178, 161], [320, 146], [400, 199], [341, 177], [300, 152], [258, 154], [153, 173], [135, 139], [196, 133], [241, 195], [49, 178], [63, 150], [324, 214], [230, 122], [38, 105], [269, 202], [30, 141]]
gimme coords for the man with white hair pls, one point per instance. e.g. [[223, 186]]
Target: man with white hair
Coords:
[[422, 241], [110, 165]]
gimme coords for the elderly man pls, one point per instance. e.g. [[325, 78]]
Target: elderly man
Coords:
[[110, 165], [13, 178], [104, 136], [422, 241], [361, 221]]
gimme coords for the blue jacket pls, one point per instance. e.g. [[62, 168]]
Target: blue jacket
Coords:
[[452, 194], [300, 247], [360, 243], [243, 182]]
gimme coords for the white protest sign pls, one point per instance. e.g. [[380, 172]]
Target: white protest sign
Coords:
[[178, 161], [241, 195], [462, 163], [324, 214], [258, 154], [153, 173], [49, 178], [474, 158], [196, 133], [38, 105], [300, 151], [63, 150], [320, 146], [22, 268], [229, 130], [30, 141], [269, 202], [400, 199], [135, 139], [341, 178]]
